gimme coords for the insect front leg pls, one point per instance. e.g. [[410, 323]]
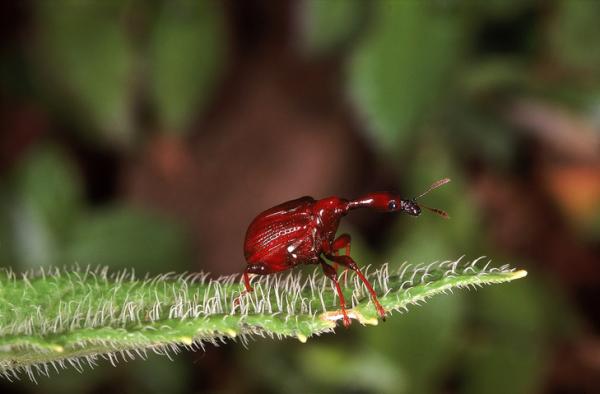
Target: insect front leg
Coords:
[[331, 273], [341, 242], [348, 262]]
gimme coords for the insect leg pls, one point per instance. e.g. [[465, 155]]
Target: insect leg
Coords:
[[249, 288], [341, 242], [247, 282], [348, 262], [331, 273]]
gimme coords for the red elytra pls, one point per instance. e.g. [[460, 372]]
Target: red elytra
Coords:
[[302, 231]]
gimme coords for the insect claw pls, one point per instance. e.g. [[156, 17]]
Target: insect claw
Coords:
[[346, 320]]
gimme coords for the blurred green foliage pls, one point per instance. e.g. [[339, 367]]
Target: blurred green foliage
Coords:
[[102, 56], [41, 207], [512, 343], [153, 376], [186, 59], [422, 343], [46, 222], [335, 368], [430, 237], [85, 54], [400, 66], [121, 236], [329, 24], [576, 24]]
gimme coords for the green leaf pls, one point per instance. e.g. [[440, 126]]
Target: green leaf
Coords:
[[508, 352], [72, 316], [576, 26], [401, 67], [124, 237], [186, 55], [501, 9], [327, 24], [160, 375], [429, 235], [48, 202], [83, 49], [364, 370], [421, 344], [7, 241], [50, 183]]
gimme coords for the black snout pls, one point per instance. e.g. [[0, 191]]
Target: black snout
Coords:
[[411, 207]]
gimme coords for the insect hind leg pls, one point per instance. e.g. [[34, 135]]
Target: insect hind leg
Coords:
[[248, 288], [247, 282]]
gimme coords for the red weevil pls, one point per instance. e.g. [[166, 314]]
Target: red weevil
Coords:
[[302, 231]]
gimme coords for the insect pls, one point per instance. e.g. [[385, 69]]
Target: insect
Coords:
[[303, 231]]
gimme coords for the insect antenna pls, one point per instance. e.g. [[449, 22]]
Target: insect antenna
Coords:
[[433, 186], [437, 211]]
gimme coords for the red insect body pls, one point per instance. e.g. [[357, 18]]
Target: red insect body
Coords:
[[302, 231]]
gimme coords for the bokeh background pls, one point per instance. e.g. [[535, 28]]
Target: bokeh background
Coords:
[[148, 134]]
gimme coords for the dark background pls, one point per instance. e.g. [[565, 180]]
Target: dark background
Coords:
[[148, 134]]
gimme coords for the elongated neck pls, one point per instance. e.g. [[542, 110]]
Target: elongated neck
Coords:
[[380, 201], [367, 201]]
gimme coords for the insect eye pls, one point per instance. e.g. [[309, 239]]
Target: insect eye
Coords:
[[392, 205]]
